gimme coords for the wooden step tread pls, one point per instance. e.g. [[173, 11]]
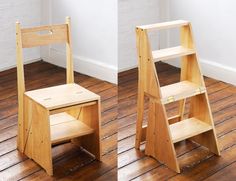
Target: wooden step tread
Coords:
[[65, 127], [180, 90], [188, 128], [164, 25], [170, 53], [62, 96]]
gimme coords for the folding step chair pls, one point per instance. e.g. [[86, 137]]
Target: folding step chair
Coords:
[[56, 114], [162, 132]]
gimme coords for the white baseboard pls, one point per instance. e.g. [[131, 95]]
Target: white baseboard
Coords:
[[84, 65], [127, 68], [7, 67], [214, 70], [209, 69], [218, 71]]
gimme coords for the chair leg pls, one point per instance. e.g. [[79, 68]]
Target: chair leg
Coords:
[[181, 109], [91, 116], [20, 133], [200, 109], [38, 145], [139, 123], [159, 142], [150, 143]]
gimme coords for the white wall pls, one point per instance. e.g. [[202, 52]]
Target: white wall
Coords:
[[132, 13], [95, 32], [214, 27], [94, 36], [28, 13]]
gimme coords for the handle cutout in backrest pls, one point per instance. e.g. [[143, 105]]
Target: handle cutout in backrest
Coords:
[[44, 35], [45, 32]]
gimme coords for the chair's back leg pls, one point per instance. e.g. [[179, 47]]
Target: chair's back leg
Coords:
[[140, 100], [21, 88], [69, 58], [140, 114]]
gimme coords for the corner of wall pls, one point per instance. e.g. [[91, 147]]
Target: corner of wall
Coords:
[[84, 65]]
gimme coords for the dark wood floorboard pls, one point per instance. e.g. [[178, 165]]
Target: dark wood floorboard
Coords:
[[70, 163], [196, 162]]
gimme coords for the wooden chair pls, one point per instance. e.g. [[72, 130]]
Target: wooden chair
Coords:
[[55, 114], [162, 132]]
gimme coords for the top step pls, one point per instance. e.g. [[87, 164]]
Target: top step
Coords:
[[165, 25]]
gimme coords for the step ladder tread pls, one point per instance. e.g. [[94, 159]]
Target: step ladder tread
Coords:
[[165, 25], [188, 128], [65, 127], [180, 90], [170, 53]]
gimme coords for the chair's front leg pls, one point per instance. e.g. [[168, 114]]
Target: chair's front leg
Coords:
[[41, 137]]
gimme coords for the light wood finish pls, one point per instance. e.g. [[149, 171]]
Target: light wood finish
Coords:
[[37, 145], [55, 114], [187, 129], [165, 25], [69, 161], [39, 36], [182, 104], [69, 58], [180, 90], [196, 161], [62, 96], [162, 132], [65, 127], [75, 107], [158, 137], [171, 53], [181, 130], [200, 109], [140, 101], [20, 85], [90, 116], [148, 82]]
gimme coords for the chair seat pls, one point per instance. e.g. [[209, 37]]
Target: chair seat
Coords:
[[62, 96]]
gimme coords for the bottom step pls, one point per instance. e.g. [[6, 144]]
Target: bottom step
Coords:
[[187, 129], [65, 127]]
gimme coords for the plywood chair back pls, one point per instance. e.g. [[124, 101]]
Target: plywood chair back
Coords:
[[42, 36]]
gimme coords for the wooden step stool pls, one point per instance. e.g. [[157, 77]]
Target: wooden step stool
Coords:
[[162, 132], [56, 114]]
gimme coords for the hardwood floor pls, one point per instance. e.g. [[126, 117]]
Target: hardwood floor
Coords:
[[195, 161], [70, 163]]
